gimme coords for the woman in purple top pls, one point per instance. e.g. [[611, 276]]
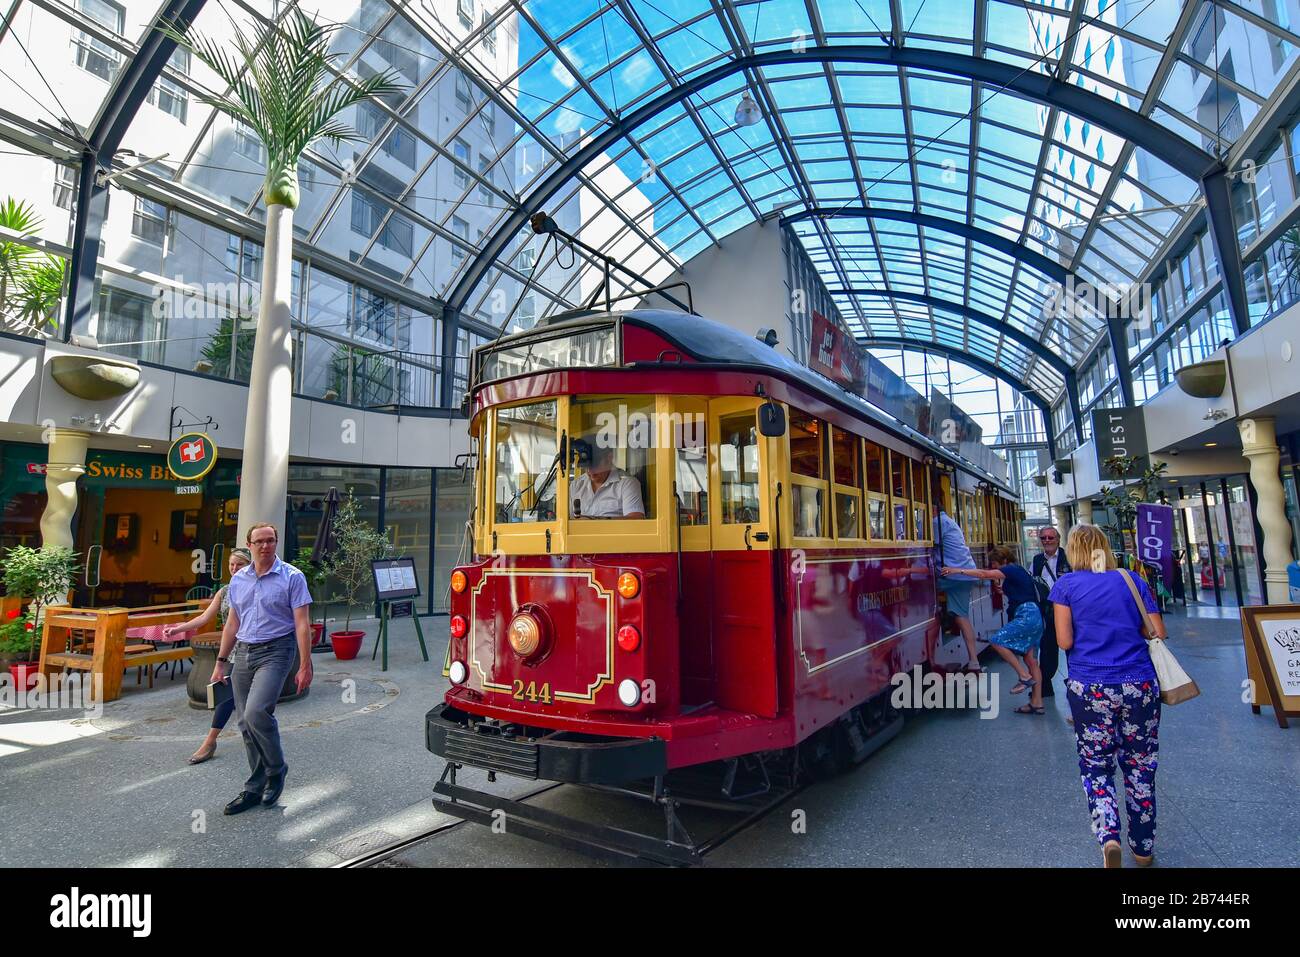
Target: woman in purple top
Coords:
[[1112, 690]]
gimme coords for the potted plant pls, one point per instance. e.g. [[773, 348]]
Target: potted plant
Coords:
[[40, 575], [357, 545], [316, 575]]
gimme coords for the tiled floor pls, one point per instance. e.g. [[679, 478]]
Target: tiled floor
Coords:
[[950, 790]]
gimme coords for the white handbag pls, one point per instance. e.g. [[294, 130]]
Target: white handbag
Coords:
[[1176, 685]]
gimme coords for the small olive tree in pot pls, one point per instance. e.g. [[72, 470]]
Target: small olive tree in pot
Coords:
[[39, 576], [357, 545]]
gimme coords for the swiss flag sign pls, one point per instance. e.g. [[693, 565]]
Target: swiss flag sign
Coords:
[[192, 451]]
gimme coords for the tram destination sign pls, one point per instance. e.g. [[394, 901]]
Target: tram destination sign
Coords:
[[1119, 433]]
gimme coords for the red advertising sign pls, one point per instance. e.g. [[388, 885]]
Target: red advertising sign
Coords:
[[834, 354]]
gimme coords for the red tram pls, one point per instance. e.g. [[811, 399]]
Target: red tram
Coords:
[[758, 568]]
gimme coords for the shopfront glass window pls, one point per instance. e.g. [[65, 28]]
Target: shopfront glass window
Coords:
[[455, 497]]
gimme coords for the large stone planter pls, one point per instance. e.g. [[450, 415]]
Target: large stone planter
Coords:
[[205, 659]]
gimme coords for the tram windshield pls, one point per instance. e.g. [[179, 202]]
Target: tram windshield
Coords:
[[616, 443], [527, 460]]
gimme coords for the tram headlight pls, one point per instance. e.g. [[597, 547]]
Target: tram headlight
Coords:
[[629, 586], [524, 634], [458, 626], [629, 692], [457, 673]]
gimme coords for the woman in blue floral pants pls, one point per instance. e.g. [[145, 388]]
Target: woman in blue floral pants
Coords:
[[1118, 721], [1112, 689]]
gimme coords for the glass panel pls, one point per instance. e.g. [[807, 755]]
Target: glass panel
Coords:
[[876, 468], [900, 521], [901, 472], [876, 509], [455, 496], [845, 451], [692, 470], [526, 445], [807, 511], [408, 517], [738, 468], [617, 480], [848, 517], [308, 486], [805, 445]]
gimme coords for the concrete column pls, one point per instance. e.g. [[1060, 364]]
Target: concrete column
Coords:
[[67, 463], [264, 475], [1083, 508], [1061, 519], [1259, 445]]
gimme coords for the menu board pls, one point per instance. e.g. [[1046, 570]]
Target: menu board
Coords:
[[395, 578]]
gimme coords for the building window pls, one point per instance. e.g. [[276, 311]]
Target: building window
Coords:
[[65, 183], [460, 150], [150, 221], [169, 96], [465, 9], [94, 55], [464, 97], [489, 34], [248, 143], [485, 171], [460, 229], [366, 214], [488, 117], [398, 235]]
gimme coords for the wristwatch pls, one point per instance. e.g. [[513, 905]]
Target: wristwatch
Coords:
[[224, 660]]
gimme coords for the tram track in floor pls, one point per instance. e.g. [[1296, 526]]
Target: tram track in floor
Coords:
[[381, 856]]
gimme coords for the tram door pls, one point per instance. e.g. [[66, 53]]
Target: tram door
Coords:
[[744, 621]]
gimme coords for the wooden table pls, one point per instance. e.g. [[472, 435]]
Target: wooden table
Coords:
[[109, 656]]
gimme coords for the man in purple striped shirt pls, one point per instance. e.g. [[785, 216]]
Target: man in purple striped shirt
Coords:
[[270, 611]]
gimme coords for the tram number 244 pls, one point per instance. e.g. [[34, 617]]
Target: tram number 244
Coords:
[[532, 693]]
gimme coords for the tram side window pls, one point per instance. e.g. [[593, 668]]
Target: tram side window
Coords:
[[807, 436], [901, 472], [692, 470], [845, 465], [877, 491], [525, 447], [738, 468], [920, 501], [617, 478]]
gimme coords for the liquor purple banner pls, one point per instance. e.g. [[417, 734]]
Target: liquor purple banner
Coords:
[[1155, 538]]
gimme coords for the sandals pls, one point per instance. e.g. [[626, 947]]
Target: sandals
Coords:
[[1024, 685], [1029, 709]]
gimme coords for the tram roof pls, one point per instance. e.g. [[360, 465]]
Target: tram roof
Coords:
[[713, 343]]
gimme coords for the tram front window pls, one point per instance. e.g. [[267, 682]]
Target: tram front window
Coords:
[[526, 446], [616, 466]]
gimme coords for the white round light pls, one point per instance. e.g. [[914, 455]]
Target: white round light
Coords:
[[629, 692], [457, 673]]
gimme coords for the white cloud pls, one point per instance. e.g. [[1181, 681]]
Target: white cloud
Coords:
[[563, 76], [566, 121], [637, 69]]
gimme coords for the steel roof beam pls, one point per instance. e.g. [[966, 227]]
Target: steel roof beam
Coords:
[[1181, 155], [118, 110]]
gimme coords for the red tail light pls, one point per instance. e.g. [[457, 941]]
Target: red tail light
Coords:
[[629, 639], [458, 626]]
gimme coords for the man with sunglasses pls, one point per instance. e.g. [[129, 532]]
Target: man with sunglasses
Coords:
[[1048, 565], [270, 613]]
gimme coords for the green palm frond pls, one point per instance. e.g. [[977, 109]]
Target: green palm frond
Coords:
[[280, 84]]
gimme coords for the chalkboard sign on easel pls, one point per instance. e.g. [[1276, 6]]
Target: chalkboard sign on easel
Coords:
[[396, 587]]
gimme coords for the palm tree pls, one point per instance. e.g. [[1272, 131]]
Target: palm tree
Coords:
[[279, 84], [31, 281]]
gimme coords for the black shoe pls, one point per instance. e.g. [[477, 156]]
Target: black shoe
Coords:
[[242, 803], [274, 785]]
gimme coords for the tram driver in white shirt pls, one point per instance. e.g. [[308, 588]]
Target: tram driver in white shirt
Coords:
[[606, 491]]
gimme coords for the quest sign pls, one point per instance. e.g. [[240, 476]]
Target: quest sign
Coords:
[[1119, 432]]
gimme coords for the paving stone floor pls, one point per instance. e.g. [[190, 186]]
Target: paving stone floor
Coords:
[[950, 790]]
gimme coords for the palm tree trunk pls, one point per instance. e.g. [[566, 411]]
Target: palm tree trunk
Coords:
[[264, 478]]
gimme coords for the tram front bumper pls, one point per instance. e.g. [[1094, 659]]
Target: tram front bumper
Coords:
[[539, 753]]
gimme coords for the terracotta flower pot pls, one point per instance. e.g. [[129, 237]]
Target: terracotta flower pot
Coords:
[[24, 674], [346, 643], [317, 633]]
